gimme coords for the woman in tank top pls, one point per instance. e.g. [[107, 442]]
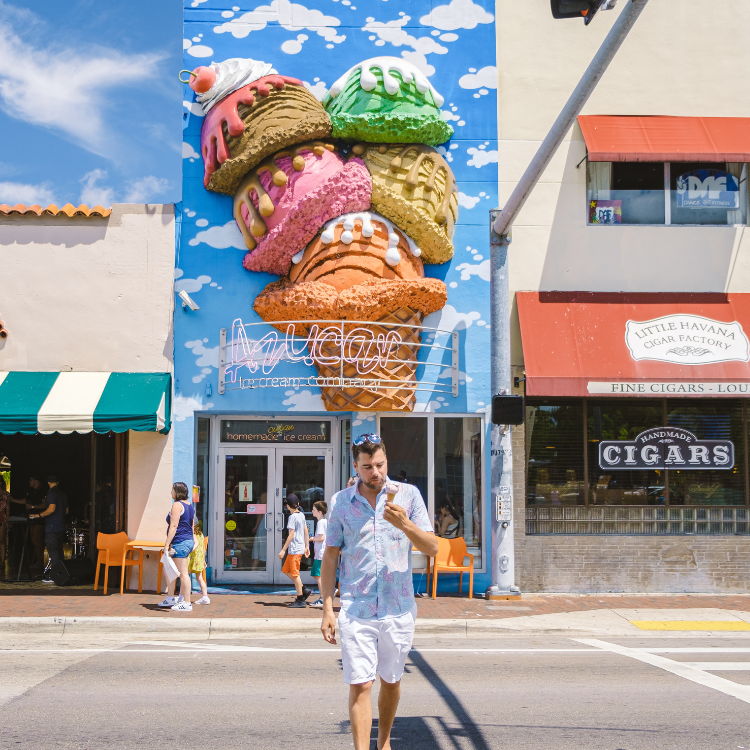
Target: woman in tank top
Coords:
[[179, 545]]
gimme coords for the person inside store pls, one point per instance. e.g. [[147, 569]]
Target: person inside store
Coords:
[[446, 524], [373, 526], [54, 523], [35, 502], [4, 515]]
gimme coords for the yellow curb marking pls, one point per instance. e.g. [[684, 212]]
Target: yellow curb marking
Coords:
[[690, 624]]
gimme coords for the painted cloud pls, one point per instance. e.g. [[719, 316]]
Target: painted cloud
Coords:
[[458, 14], [484, 78], [221, 237]]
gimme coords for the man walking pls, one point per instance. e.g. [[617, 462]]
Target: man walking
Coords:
[[54, 522], [373, 525]]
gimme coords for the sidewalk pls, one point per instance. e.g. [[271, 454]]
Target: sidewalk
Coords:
[[39, 600]]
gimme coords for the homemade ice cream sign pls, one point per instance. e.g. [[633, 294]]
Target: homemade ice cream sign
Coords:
[[687, 340], [345, 200], [666, 448]]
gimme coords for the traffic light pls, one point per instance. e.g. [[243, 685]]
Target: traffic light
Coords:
[[585, 9]]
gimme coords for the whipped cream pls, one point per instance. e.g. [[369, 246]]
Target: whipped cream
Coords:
[[231, 75]]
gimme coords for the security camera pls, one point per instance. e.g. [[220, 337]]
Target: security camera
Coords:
[[187, 300]]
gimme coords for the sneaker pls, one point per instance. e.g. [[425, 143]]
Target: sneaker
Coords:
[[305, 592], [318, 603], [203, 600], [170, 601], [47, 579], [182, 606], [298, 604]]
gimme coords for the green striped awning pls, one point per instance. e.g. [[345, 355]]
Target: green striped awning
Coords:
[[48, 402]]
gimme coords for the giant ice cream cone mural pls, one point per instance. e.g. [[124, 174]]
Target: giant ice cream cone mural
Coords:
[[345, 200]]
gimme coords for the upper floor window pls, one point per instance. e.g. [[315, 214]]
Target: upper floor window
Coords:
[[684, 193]]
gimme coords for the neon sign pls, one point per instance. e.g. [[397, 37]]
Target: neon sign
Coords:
[[331, 345]]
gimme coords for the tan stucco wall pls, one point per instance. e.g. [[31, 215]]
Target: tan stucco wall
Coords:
[[680, 59], [88, 293]]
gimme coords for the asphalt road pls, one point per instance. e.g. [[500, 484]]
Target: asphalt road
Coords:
[[554, 693]]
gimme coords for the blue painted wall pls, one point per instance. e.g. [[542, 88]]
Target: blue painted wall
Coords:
[[316, 41]]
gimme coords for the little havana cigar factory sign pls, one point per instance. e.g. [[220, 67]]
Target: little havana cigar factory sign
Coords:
[[666, 448], [687, 340]]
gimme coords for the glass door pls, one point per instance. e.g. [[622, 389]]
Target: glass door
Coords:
[[244, 516], [308, 473]]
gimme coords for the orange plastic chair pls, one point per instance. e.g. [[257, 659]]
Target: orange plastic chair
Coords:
[[112, 554], [450, 559]]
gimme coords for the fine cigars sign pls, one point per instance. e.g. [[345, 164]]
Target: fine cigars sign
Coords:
[[666, 448], [684, 339]]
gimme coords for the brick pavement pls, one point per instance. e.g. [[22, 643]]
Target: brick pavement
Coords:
[[37, 600]]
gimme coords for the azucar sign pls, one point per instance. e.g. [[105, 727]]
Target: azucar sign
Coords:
[[666, 448]]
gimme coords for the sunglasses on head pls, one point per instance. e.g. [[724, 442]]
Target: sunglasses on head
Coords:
[[368, 437]]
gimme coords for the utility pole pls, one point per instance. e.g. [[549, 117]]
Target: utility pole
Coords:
[[503, 562]]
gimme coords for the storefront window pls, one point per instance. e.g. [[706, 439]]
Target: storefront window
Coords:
[[704, 193], [618, 420], [458, 479], [406, 443], [554, 453], [709, 421]]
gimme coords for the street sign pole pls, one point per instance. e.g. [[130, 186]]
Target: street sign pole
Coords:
[[503, 562]]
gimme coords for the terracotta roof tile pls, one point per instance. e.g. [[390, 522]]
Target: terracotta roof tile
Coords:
[[52, 210]]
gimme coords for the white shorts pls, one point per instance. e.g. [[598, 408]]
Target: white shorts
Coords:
[[370, 647]]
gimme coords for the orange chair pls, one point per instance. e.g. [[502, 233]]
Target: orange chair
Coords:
[[450, 559], [112, 554]]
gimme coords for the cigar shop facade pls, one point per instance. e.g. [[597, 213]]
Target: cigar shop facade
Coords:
[[270, 393]]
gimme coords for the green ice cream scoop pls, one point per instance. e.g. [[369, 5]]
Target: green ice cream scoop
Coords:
[[386, 100]]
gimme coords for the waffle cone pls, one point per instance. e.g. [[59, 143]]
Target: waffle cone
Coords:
[[391, 398]]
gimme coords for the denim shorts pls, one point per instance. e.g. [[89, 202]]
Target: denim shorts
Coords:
[[183, 549]]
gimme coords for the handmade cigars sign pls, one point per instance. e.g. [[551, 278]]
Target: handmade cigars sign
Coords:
[[345, 200], [666, 448], [685, 339]]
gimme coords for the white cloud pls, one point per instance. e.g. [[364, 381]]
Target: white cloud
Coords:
[[194, 108], [481, 157], [317, 89], [468, 270], [467, 201], [146, 189], [66, 89], [291, 16], [361, 417], [191, 286], [205, 358], [458, 14], [221, 237], [293, 46], [184, 406], [448, 37], [449, 319], [30, 195], [420, 61], [303, 401], [188, 152], [485, 77], [93, 194], [199, 50], [448, 115], [429, 406], [448, 373], [391, 32]]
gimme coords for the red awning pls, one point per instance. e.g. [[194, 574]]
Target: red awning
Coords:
[[656, 138], [596, 344]]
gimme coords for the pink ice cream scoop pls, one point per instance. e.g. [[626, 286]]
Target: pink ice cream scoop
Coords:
[[282, 202], [391, 491]]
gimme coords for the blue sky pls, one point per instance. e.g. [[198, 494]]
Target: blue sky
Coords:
[[90, 103]]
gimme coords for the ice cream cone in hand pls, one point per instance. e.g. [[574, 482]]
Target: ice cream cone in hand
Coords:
[[391, 490]]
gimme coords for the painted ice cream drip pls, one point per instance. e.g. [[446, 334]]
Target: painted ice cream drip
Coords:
[[386, 99], [218, 80]]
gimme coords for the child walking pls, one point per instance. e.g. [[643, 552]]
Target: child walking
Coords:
[[197, 562], [319, 512], [298, 543]]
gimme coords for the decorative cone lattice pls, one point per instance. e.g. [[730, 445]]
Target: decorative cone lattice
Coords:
[[400, 367]]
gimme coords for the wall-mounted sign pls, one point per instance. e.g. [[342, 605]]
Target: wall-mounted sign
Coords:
[[196, 493], [708, 188], [504, 507], [605, 212], [684, 339], [248, 431], [246, 492], [644, 387], [666, 448]]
